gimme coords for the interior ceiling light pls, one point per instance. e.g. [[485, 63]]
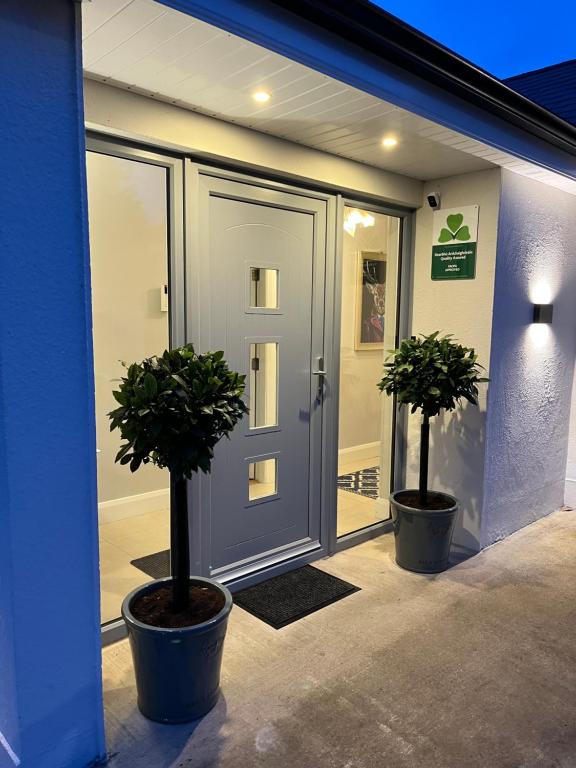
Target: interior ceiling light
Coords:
[[355, 217], [389, 142], [261, 96]]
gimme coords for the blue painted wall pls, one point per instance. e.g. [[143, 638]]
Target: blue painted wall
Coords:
[[50, 694]]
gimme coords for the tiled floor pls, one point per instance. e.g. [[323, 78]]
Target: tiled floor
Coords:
[[356, 511], [120, 542], [124, 540]]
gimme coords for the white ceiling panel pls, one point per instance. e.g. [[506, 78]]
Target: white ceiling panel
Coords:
[[100, 12], [116, 32], [148, 48], [142, 45]]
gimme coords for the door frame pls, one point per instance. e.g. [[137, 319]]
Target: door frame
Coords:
[[200, 549], [109, 145], [182, 189], [332, 407]]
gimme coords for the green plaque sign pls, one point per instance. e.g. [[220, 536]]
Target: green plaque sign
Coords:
[[455, 233], [454, 262]]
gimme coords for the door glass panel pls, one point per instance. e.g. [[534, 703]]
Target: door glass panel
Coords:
[[368, 330], [262, 479], [263, 394], [263, 288], [128, 216]]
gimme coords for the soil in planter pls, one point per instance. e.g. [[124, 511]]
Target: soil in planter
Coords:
[[155, 608], [436, 501]]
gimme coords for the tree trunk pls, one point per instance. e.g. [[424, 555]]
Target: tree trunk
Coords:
[[424, 446], [179, 544]]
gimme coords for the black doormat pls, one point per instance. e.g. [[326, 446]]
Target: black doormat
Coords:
[[283, 599], [157, 565], [366, 482]]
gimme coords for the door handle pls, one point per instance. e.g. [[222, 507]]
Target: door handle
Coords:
[[321, 373]]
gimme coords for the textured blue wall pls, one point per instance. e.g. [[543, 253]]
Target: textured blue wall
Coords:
[[49, 633]]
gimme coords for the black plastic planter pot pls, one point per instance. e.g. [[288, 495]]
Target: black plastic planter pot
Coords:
[[423, 536], [177, 670]]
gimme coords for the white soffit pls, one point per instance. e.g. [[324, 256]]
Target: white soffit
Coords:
[[147, 48]]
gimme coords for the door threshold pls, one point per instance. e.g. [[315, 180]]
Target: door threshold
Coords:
[[242, 579]]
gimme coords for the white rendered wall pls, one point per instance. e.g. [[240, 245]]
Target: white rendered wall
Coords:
[[570, 494], [463, 308], [531, 365]]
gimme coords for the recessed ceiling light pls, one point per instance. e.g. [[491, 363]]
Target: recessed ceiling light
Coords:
[[389, 142], [261, 96]]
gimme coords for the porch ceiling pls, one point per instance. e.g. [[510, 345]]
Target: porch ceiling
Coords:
[[150, 49]]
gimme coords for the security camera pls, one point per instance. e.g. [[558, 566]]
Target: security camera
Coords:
[[433, 200]]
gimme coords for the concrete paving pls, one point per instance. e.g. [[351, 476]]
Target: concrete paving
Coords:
[[475, 667]]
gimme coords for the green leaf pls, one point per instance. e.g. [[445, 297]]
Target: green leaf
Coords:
[[463, 233], [445, 236], [120, 397], [454, 222], [150, 385], [180, 381], [122, 452]]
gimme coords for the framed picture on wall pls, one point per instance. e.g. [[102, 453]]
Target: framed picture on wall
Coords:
[[370, 300]]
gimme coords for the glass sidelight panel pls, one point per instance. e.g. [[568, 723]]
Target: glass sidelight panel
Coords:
[[263, 288], [262, 479], [263, 394], [129, 222], [370, 260]]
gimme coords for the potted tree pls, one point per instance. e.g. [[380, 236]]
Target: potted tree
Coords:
[[430, 374], [173, 409]]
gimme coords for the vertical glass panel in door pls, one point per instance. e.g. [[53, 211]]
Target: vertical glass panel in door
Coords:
[[128, 217], [263, 288], [368, 330], [263, 389]]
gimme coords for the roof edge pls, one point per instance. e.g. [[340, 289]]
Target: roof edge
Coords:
[[383, 35], [539, 70]]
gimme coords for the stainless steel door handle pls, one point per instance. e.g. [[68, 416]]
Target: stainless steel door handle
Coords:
[[321, 373]]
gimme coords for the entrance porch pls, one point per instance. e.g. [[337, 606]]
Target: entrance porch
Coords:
[[475, 667]]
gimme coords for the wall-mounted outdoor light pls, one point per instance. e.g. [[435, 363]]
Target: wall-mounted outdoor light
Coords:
[[542, 313]]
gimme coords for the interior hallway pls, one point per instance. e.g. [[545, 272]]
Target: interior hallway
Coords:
[[356, 511], [475, 667]]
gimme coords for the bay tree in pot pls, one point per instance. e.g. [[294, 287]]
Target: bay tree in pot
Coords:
[[172, 411], [430, 374]]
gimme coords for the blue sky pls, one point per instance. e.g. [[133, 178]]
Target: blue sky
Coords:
[[505, 37]]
